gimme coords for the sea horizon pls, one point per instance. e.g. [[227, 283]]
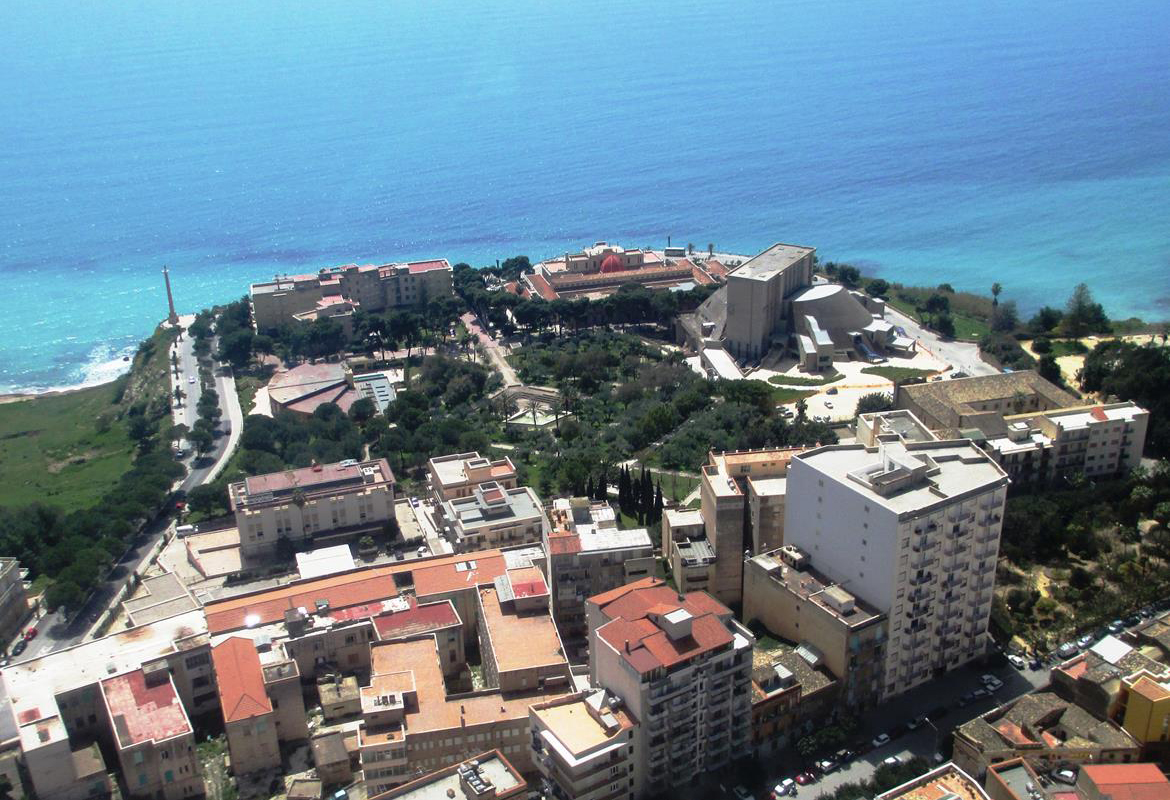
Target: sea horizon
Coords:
[[924, 142]]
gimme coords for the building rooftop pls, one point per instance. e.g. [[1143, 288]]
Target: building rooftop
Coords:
[[520, 640], [909, 478], [144, 713], [304, 380], [949, 401], [455, 782], [898, 422], [363, 586], [411, 619], [584, 526], [460, 469], [947, 782], [492, 504], [241, 679], [34, 684], [683, 517], [770, 262], [430, 709], [816, 588], [158, 598], [1043, 720], [654, 627], [724, 470], [582, 724], [783, 667], [1127, 781], [280, 487], [325, 561], [695, 552]]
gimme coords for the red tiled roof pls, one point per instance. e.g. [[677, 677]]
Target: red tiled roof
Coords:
[[444, 579], [701, 277], [715, 267], [527, 582], [417, 619], [144, 713], [542, 286], [1128, 781], [431, 576], [643, 595], [639, 639], [561, 543], [416, 267], [241, 679]]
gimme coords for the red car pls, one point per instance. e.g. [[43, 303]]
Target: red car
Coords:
[[805, 778], [30, 634]]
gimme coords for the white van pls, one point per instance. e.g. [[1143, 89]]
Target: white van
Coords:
[[183, 530]]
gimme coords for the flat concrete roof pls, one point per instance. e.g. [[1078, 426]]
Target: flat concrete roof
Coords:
[[950, 469], [771, 262]]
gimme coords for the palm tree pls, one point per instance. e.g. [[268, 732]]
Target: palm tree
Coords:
[[996, 288]]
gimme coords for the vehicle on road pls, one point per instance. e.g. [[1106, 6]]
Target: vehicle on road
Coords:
[[414, 502], [827, 765], [831, 390], [1116, 626], [915, 723], [190, 379], [881, 740], [1016, 662], [892, 761], [994, 685], [741, 793], [1036, 664], [1132, 619], [844, 756], [785, 788], [31, 633], [979, 694], [1085, 641], [19, 648], [805, 778], [828, 404], [966, 700], [1067, 776], [1067, 650]]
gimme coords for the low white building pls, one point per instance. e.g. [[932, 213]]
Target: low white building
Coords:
[[493, 516]]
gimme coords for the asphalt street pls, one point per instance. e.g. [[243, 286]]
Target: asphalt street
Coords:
[[55, 631]]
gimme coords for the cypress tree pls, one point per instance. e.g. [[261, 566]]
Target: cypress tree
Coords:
[[658, 504], [589, 487]]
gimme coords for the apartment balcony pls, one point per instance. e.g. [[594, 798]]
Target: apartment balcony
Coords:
[[919, 580], [954, 550], [985, 553], [924, 545]]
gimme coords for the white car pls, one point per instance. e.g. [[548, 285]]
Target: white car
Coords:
[[1017, 662], [190, 379], [892, 761], [785, 787], [881, 740], [828, 404], [994, 685]]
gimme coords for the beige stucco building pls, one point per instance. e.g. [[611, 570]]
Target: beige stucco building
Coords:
[[796, 603], [758, 294], [583, 747], [456, 475], [300, 504], [492, 516], [337, 291]]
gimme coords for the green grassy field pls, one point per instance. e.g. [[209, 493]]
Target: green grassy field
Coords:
[[800, 380], [1065, 347], [966, 326], [784, 395], [897, 373], [62, 450]]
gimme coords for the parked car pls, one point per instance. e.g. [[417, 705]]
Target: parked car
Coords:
[[31, 633], [891, 761], [19, 647], [832, 390], [1017, 662], [190, 379], [828, 404], [1132, 619], [827, 765], [994, 685], [1067, 650], [844, 756], [805, 778], [786, 787], [1085, 641], [1035, 664], [881, 740], [979, 694], [1067, 776], [915, 723]]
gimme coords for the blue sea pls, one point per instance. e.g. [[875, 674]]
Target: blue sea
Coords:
[[1021, 142]]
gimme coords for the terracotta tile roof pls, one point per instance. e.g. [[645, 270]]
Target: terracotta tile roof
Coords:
[[366, 585], [1128, 781], [542, 286], [634, 632], [241, 679], [142, 713], [488, 566], [415, 267], [527, 582], [431, 710], [701, 277], [716, 267], [563, 543], [417, 619], [1150, 689]]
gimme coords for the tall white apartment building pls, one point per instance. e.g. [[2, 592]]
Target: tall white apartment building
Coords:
[[912, 528], [682, 666]]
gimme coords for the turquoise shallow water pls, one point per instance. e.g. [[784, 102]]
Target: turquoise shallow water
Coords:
[[1021, 142]]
